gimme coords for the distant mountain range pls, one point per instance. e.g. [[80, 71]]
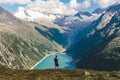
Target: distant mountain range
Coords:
[[70, 24], [99, 11], [98, 46], [92, 39], [23, 41]]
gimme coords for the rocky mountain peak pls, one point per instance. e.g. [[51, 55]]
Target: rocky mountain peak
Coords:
[[114, 8], [98, 11], [83, 13], [2, 10]]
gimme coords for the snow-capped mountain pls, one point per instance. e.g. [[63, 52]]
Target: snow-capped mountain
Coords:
[[74, 24], [99, 44], [70, 24], [22, 44], [83, 13], [99, 11], [34, 15], [41, 17]]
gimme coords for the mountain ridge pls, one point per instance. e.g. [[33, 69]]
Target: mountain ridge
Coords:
[[69, 24], [97, 43], [20, 43]]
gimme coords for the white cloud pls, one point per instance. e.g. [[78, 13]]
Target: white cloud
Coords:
[[14, 1], [86, 4], [106, 3], [75, 5], [58, 7], [51, 6]]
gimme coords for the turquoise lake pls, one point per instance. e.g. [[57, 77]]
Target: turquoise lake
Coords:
[[64, 60]]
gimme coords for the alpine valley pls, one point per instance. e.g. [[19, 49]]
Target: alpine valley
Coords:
[[91, 39]]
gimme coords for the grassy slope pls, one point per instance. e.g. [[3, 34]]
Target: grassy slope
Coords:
[[52, 74], [21, 45], [16, 52]]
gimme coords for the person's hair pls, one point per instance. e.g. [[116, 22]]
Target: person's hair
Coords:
[[56, 56]]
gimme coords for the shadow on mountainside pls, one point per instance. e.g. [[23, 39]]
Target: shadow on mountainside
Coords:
[[53, 34]]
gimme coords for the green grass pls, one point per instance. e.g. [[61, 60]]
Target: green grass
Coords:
[[55, 74]]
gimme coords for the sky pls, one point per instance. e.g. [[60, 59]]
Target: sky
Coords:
[[67, 7]]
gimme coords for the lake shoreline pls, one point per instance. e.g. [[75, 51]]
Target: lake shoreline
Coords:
[[47, 55], [42, 59]]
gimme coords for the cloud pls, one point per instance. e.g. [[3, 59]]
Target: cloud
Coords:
[[58, 7], [49, 6], [86, 4], [75, 5], [106, 3], [14, 1]]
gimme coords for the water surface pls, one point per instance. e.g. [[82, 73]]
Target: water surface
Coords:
[[65, 61]]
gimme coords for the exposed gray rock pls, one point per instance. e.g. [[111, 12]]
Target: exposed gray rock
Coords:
[[116, 74], [86, 73]]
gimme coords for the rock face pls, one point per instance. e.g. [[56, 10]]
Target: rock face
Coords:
[[86, 73], [99, 44], [21, 45], [83, 13], [98, 11], [70, 24]]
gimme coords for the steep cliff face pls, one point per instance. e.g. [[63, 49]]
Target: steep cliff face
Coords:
[[99, 44], [21, 45]]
